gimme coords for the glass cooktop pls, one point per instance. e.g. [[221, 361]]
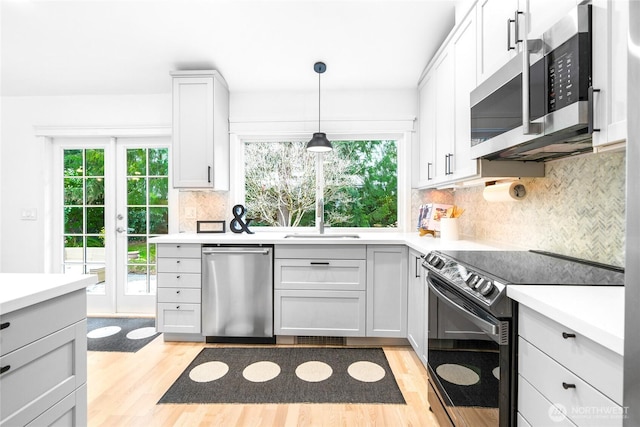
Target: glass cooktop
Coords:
[[539, 268]]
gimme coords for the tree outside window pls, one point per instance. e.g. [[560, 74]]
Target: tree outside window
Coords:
[[360, 184]]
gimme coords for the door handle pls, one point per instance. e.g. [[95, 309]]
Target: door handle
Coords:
[[120, 230]]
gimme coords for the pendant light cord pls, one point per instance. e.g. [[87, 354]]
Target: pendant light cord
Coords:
[[319, 102]]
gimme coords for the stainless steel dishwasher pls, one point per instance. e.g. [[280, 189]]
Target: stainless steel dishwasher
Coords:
[[237, 293]]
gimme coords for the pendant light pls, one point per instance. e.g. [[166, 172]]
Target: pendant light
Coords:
[[319, 143]]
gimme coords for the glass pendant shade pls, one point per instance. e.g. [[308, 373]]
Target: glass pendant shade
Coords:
[[319, 143]]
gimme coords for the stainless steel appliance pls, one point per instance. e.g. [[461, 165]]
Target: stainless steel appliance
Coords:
[[472, 337], [237, 293], [539, 105]]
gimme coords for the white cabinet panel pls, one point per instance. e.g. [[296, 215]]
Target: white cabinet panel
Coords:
[[179, 265], [319, 313], [178, 318], [182, 250], [179, 280], [334, 274], [387, 291], [179, 295], [535, 410], [416, 308], [494, 32]]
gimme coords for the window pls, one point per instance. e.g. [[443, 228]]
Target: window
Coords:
[[360, 188]]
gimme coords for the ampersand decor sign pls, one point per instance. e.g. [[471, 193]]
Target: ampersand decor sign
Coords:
[[238, 224]]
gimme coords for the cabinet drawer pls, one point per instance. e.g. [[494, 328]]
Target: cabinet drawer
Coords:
[[319, 313], [321, 251], [327, 274], [179, 265], [182, 295], [594, 363], [179, 280], [535, 410], [36, 321], [42, 373], [70, 411], [585, 405], [178, 317], [179, 250]]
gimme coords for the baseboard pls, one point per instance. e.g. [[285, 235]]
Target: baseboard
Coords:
[[183, 337]]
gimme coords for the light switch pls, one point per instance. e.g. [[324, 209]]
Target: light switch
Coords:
[[29, 214]]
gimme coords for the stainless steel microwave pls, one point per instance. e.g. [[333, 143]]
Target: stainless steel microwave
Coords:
[[544, 112]]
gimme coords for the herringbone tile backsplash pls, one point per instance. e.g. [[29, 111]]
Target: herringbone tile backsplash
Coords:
[[577, 209]]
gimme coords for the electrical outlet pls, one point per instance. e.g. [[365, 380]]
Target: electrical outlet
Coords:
[[190, 213], [29, 214]]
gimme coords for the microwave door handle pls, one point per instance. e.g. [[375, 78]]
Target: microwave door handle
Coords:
[[490, 329], [528, 128]]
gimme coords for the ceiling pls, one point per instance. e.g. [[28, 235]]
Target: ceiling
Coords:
[[77, 47]]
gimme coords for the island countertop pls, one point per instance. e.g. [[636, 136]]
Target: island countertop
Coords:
[[18, 290]]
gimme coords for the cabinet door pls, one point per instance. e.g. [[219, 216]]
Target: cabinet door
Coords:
[[415, 303], [178, 318], [610, 28], [193, 132], [427, 127], [444, 115], [542, 14], [493, 32], [387, 291], [464, 51]]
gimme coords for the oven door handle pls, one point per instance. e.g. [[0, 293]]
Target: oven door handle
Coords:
[[491, 329]]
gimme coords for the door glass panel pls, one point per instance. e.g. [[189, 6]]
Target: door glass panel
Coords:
[[83, 204], [147, 215]]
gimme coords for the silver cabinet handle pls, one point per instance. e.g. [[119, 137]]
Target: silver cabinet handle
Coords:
[[591, 109], [264, 251], [528, 128]]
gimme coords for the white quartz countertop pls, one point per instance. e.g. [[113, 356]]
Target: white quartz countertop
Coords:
[[595, 312], [18, 290], [422, 244]]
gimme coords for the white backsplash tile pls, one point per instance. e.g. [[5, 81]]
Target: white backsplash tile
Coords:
[[202, 206]]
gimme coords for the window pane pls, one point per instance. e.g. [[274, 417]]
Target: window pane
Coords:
[[95, 220], [72, 162], [94, 162], [136, 162], [137, 220], [73, 220], [360, 184], [136, 191], [158, 220], [73, 191], [158, 162], [137, 250], [158, 191], [95, 191]]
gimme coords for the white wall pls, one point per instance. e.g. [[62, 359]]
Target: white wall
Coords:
[[23, 157]]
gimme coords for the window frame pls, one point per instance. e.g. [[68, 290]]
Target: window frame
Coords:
[[403, 141]]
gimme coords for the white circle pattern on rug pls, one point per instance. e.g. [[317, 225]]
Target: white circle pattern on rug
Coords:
[[260, 372], [367, 372], [107, 331], [208, 371], [457, 374], [313, 371], [141, 333], [496, 372]]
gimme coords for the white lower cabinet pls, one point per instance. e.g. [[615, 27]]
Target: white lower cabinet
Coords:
[[565, 377], [416, 308], [43, 375], [179, 288]]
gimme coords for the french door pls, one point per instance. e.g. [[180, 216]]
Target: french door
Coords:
[[113, 195]]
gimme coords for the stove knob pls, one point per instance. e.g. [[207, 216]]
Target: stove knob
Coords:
[[471, 280], [479, 284], [486, 288]]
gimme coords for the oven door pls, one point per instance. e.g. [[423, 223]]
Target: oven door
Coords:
[[470, 360]]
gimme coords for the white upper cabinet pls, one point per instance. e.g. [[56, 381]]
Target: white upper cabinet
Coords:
[[200, 130], [444, 115], [610, 27], [497, 41], [542, 14], [427, 131]]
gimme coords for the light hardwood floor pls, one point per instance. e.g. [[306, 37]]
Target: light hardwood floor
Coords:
[[123, 389]]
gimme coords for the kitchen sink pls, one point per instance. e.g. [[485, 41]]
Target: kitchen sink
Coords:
[[322, 236]]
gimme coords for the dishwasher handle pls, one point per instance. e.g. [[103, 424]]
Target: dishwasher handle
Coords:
[[259, 251]]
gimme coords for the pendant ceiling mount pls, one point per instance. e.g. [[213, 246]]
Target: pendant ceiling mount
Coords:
[[319, 143]]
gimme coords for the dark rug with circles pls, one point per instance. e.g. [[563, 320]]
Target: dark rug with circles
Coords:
[[286, 375], [469, 378], [126, 334]]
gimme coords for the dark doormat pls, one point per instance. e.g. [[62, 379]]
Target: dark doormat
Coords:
[[126, 334], [286, 375]]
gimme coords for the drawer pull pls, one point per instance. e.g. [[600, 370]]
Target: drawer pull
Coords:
[[567, 336], [177, 277], [567, 386], [178, 246], [5, 325], [319, 263], [177, 307], [5, 369], [178, 262], [177, 292]]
